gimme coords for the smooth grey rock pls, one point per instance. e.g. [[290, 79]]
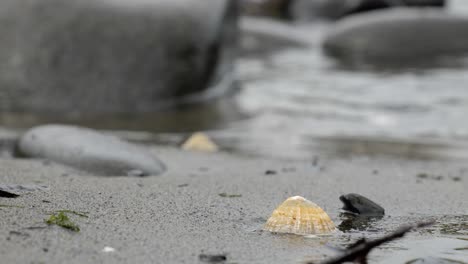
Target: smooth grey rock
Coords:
[[113, 56], [358, 204], [399, 35], [307, 10], [89, 150]]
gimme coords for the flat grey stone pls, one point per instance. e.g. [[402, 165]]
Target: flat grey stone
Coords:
[[88, 150]]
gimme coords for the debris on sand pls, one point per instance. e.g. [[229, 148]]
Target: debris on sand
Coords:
[[225, 195]]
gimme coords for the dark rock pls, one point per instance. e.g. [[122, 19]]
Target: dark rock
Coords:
[[112, 56], [358, 204], [401, 36], [88, 150]]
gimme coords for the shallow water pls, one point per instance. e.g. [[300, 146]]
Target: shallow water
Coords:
[[296, 103], [447, 239]]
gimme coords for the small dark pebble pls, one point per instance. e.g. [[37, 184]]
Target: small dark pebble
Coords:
[[212, 258], [45, 249], [46, 201], [315, 161], [375, 172], [358, 204], [270, 172], [456, 179], [422, 175], [183, 185]]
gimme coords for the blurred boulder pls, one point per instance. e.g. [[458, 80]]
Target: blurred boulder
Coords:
[[112, 56], [401, 36], [335, 9], [325, 9]]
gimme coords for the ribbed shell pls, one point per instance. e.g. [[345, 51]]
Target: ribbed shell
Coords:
[[298, 215], [200, 142]]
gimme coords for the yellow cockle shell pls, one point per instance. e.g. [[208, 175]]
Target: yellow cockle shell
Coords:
[[200, 142], [298, 215]]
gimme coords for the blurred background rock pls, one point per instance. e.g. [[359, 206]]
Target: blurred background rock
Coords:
[[325, 9], [66, 57]]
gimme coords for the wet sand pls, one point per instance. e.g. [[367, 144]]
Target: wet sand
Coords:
[[174, 217]]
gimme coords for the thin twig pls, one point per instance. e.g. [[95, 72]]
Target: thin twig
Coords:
[[359, 251]]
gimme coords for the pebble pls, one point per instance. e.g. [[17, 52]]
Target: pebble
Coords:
[[358, 204]]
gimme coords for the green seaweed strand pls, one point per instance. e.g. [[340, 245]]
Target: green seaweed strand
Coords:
[[62, 220]]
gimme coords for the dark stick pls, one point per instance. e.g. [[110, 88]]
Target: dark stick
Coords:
[[359, 251]]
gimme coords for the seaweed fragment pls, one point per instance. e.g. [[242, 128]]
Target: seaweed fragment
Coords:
[[225, 195], [62, 220]]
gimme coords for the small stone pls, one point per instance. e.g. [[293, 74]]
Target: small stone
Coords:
[[422, 175], [88, 150], [358, 204], [212, 258]]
